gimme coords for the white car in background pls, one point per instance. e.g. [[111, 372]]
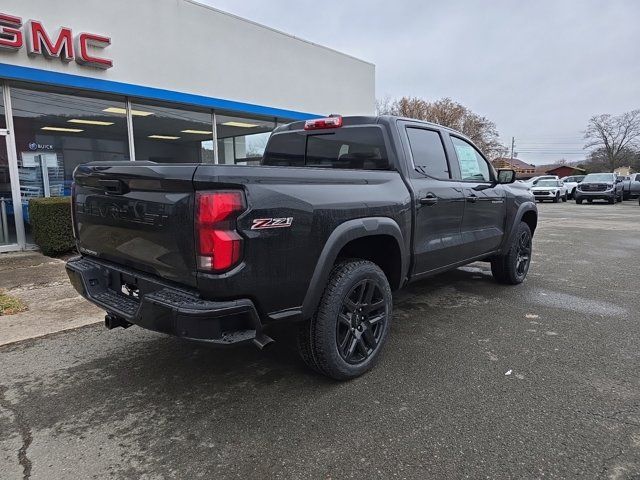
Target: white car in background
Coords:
[[571, 183], [549, 189], [532, 182]]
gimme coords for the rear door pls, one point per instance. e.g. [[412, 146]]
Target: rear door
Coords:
[[138, 214], [483, 222], [439, 203]]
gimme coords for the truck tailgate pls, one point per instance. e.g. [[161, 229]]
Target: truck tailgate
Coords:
[[138, 214]]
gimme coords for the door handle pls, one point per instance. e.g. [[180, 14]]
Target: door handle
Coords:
[[430, 199], [472, 198]]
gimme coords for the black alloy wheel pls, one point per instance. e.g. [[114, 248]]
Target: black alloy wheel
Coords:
[[511, 268], [361, 322], [523, 253]]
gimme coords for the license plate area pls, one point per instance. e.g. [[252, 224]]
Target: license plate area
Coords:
[[124, 284]]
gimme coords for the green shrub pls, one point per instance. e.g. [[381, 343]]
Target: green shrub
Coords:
[[50, 220]]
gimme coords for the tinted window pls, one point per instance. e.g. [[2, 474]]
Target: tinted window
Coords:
[[285, 150], [355, 148], [359, 148], [428, 152], [472, 166]]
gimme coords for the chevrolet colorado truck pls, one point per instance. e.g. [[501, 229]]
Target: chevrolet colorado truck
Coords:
[[340, 213]]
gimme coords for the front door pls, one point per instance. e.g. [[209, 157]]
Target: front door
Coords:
[[439, 203], [483, 222]]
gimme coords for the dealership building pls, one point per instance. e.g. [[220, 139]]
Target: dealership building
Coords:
[[168, 81]]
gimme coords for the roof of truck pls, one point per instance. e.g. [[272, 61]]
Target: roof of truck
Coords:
[[370, 120]]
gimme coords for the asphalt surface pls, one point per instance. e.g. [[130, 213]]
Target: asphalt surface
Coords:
[[478, 380]]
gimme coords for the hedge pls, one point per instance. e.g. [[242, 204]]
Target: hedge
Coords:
[[50, 220]]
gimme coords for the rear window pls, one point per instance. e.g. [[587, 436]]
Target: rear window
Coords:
[[360, 148]]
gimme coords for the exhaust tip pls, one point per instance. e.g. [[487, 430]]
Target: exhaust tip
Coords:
[[262, 341]]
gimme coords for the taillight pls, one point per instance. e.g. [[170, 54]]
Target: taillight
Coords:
[[219, 244], [318, 123]]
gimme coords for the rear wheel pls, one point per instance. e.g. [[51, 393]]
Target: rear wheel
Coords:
[[346, 335], [512, 267]]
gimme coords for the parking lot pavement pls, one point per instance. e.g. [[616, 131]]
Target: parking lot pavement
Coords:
[[478, 380]]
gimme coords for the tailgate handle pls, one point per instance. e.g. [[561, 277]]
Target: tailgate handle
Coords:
[[112, 186]]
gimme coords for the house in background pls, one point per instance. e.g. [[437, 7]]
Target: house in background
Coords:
[[522, 169], [565, 171], [623, 171]]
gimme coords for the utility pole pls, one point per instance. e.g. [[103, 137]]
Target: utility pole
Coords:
[[513, 144]]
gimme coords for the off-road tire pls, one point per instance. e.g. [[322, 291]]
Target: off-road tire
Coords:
[[505, 268], [317, 338]]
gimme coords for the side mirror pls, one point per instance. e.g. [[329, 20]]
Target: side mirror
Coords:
[[506, 176]]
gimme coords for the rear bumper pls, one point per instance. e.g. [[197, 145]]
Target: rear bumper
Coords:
[[164, 308]]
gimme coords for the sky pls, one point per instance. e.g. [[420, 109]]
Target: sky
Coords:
[[538, 69]]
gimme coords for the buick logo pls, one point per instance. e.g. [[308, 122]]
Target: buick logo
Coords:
[[33, 146]]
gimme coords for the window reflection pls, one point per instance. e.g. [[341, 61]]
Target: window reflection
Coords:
[[55, 132], [242, 140], [172, 135]]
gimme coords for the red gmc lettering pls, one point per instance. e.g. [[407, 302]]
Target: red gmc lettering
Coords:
[[39, 43], [10, 33], [63, 45], [83, 41]]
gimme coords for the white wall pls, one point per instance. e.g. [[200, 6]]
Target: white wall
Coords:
[[182, 46]]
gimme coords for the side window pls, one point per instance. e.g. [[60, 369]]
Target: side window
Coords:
[[472, 166], [428, 154]]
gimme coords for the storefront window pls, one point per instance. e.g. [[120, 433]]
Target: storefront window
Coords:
[[55, 132], [171, 135], [241, 140]]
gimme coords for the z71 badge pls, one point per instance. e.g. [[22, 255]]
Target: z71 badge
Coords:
[[264, 223]]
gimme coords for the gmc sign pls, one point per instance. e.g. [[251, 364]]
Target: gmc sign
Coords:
[[63, 45]]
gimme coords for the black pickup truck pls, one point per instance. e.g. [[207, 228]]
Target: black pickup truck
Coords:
[[341, 212]]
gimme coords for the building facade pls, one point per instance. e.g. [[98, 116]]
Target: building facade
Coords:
[[160, 80]]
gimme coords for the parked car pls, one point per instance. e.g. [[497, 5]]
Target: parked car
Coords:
[[631, 186], [599, 186], [571, 183], [532, 182], [341, 212], [553, 190]]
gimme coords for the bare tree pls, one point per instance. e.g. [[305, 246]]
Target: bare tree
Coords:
[[613, 135], [448, 113]]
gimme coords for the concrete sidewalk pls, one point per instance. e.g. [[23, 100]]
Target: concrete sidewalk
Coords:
[[42, 283]]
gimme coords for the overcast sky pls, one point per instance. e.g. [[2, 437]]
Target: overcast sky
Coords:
[[538, 69]]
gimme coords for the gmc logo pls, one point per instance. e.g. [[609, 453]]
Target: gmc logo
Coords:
[[63, 45]]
